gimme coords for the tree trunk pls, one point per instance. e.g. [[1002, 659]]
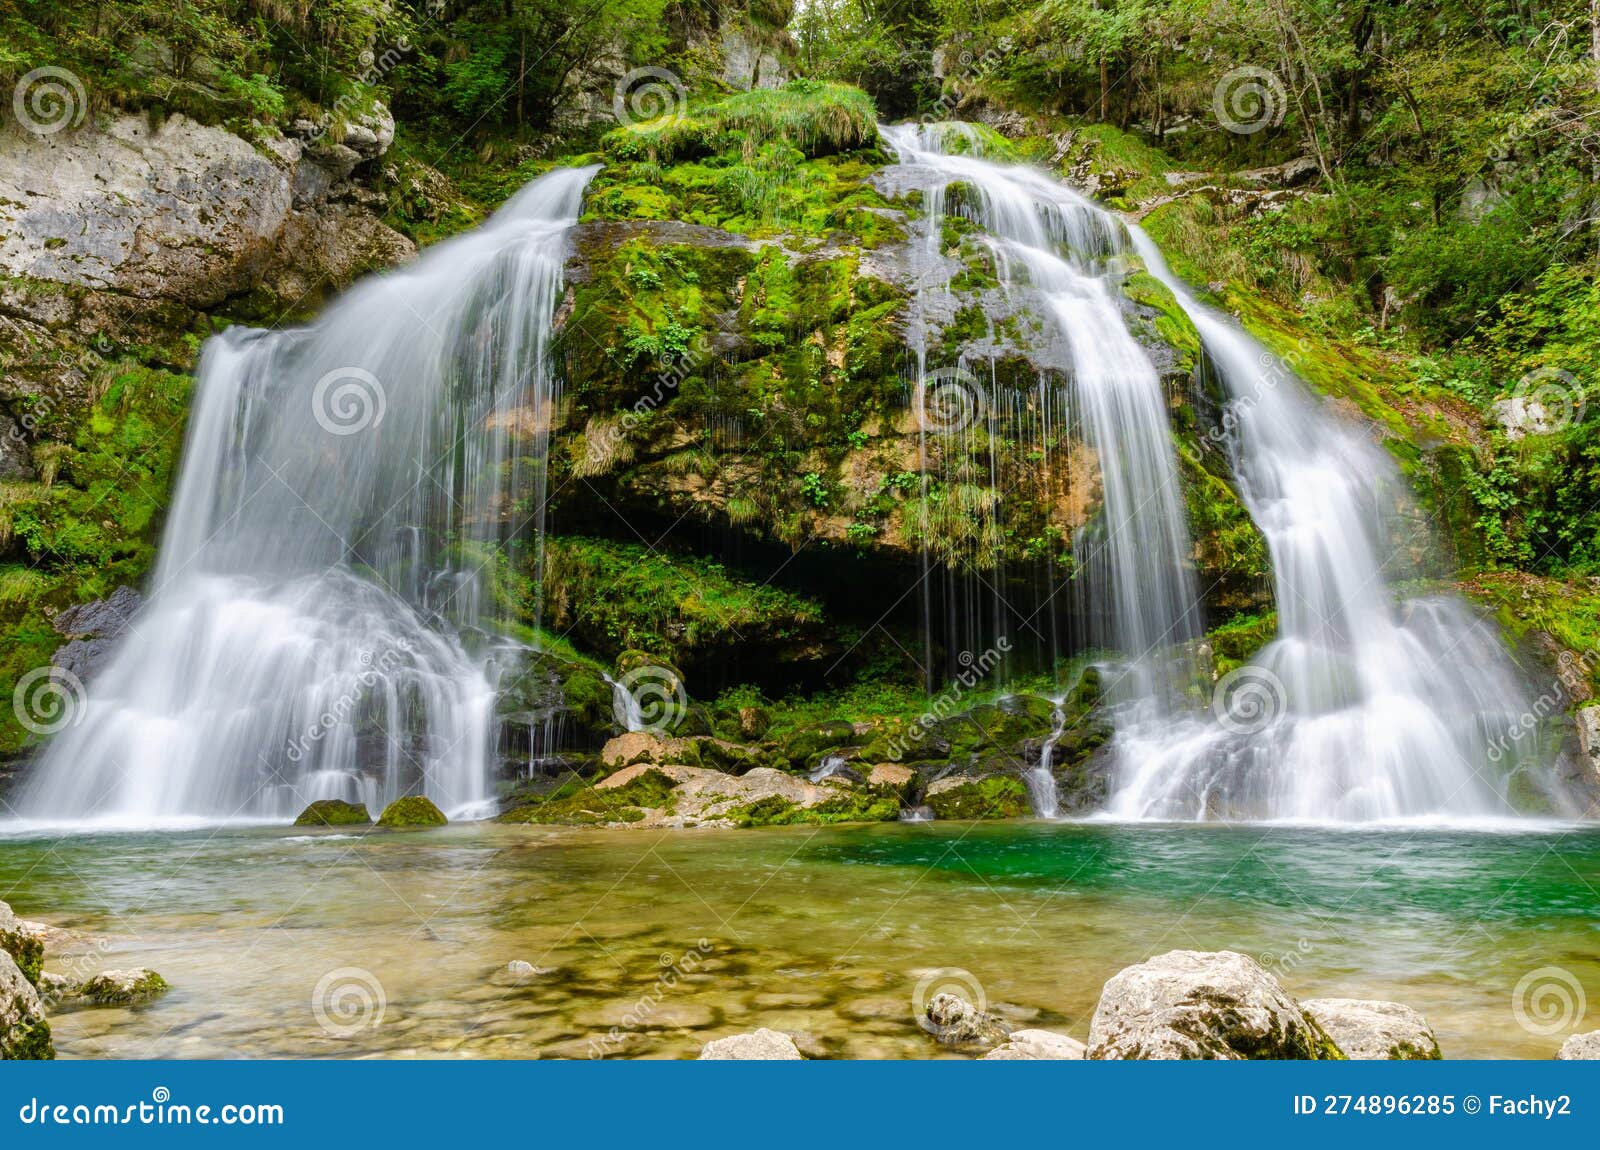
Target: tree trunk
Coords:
[[1103, 79]]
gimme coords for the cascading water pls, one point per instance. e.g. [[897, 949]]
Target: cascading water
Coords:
[[1041, 779], [1136, 582], [313, 631], [1359, 709]]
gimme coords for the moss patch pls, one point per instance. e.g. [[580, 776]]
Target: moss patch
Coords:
[[577, 803], [333, 813], [412, 811], [859, 805], [994, 797]]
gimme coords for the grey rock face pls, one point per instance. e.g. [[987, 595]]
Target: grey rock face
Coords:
[[759, 1045]]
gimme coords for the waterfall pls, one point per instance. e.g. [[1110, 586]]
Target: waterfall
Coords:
[[1041, 779], [1053, 246], [1360, 709], [830, 766], [314, 630], [625, 709]]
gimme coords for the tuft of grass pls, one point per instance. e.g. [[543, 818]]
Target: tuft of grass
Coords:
[[816, 117]]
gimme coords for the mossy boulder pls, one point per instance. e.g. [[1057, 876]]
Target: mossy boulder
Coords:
[[857, 805], [577, 803], [412, 811], [333, 813], [24, 946], [992, 797], [24, 1033], [123, 987], [807, 743]]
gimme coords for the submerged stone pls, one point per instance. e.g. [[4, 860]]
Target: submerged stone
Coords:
[[123, 987], [412, 811], [333, 813]]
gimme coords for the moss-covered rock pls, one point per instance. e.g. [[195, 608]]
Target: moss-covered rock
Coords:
[[577, 803], [412, 811], [993, 797], [122, 987], [333, 813], [24, 1033], [857, 805], [23, 944]]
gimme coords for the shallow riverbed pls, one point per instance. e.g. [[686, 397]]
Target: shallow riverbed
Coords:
[[283, 943]]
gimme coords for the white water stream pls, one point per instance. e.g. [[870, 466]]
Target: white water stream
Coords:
[[312, 632]]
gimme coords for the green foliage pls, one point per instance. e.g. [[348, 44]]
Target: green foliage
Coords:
[[815, 119], [617, 596]]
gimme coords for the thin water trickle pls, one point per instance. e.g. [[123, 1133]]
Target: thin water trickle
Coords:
[[314, 630]]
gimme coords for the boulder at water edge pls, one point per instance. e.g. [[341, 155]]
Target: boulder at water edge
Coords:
[[956, 1022], [333, 813], [1374, 1031], [1581, 1047], [759, 1045], [22, 943], [1031, 1045], [412, 811], [1192, 1004], [24, 1034]]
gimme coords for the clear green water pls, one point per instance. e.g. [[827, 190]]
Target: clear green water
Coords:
[[826, 933]]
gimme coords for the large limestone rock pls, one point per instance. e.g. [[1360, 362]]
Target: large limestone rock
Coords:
[[1191, 1004], [1581, 1047], [1371, 1030], [759, 1045], [180, 211], [1035, 1045], [24, 1034]]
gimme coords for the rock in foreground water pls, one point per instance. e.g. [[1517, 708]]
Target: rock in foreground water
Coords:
[[412, 811], [1032, 1045], [759, 1045], [1581, 1047], [1191, 1004], [24, 1034], [1374, 1031], [123, 987], [334, 813], [956, 1022]]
